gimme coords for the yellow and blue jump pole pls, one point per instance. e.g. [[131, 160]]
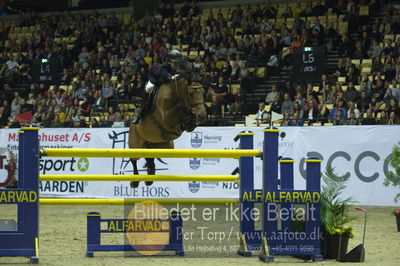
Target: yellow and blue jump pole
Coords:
[[281, 204], [275, 193], [23, 241]]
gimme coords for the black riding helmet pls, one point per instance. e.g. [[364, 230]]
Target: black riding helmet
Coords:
[[174, 55]]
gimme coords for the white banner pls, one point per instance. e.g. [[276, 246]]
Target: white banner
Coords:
[[361, 151]]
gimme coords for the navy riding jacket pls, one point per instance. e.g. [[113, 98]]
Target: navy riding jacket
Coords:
[[160, 74]]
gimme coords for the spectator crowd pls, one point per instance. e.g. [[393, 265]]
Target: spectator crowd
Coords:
[[104, 59]]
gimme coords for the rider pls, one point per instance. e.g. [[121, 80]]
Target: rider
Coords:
[[159, 75]]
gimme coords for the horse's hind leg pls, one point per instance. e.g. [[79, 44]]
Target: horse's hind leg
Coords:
[[151, 169], [134, 184]]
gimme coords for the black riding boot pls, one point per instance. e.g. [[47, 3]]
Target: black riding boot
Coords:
[[140, 110]]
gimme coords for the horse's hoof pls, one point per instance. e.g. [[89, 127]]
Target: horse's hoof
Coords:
[[134, 184], [148, 183]]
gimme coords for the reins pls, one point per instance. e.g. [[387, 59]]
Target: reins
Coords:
[[187, 96]]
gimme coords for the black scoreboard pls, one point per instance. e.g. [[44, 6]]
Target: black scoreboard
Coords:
[[307, 64], [46, 70]]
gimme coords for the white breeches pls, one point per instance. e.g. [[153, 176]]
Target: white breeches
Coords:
[[149, 86]]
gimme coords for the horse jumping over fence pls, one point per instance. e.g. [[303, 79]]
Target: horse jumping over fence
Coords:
[[178, 107]]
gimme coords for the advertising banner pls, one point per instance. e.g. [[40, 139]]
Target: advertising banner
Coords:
[[361, 151]]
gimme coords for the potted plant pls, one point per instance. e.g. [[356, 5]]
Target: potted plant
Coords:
[[334, 214], [394, 178]]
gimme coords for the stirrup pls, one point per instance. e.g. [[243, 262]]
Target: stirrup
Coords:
[[141, 109]]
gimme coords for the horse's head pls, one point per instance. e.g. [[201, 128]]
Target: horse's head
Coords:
[[195, 94], [195, 100]]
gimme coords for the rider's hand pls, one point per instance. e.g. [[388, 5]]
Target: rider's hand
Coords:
[[174, 77]]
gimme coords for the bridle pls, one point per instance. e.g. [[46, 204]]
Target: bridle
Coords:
[[187, 105], [195, 87], [168, 135]]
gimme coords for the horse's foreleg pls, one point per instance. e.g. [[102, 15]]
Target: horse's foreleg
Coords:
[[151, 169], [134, 184]]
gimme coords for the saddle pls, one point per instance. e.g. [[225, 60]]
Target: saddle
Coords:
[[150, 103]]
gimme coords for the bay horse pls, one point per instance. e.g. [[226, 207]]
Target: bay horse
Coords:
[[178, 107]]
